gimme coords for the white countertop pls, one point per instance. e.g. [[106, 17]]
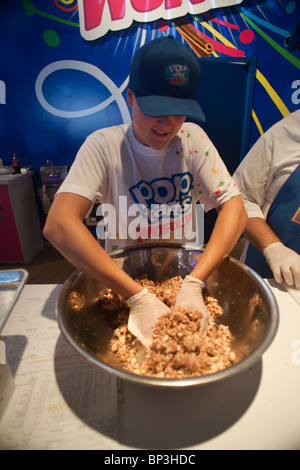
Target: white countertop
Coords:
[[63, 402]]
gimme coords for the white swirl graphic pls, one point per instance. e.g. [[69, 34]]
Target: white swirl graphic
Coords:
[[116, 93]]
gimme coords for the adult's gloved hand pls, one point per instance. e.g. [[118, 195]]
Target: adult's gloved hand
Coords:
[[145, 308], [284, 263], [190, 296]]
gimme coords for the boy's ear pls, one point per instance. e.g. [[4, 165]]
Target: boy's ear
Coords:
[[130, 96]]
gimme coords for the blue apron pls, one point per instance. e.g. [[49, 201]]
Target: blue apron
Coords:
[[284, 219]]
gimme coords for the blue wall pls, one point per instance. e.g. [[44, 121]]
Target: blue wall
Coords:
[[52, 96]]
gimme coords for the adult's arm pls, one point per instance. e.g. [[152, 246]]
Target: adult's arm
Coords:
[[259, 233]]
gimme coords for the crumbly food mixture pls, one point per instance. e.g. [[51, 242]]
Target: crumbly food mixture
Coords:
[[178, 349]]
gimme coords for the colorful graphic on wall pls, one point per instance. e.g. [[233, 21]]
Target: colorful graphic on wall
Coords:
[[56, 87], [98, 17]]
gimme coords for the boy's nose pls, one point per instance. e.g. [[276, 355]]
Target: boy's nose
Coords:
[[165, 120]]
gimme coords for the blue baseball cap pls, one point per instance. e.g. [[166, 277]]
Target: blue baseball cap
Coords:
[[165, 76]]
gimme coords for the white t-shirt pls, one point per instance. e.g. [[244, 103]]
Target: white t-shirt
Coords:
[[136, 185], [268, 164]]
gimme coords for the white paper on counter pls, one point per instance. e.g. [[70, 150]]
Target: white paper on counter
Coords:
[[294, 293], [62, 402], [54, 385]]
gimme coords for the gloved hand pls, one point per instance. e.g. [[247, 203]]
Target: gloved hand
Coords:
[[190, 296], [284, 262], [145, 308]]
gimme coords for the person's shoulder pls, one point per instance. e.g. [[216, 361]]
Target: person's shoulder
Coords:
[[108, 134], [287, 121], [295, 114], [286, 128], [192, 133], [189, 129], [294, 117], [191, 126], [116, 130]]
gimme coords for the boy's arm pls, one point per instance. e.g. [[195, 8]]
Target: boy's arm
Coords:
[[229, 226], [64, 228], [259, 233]]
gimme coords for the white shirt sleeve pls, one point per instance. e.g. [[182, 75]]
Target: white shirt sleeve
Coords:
[[268, 165], [252, 176], [88, 174]]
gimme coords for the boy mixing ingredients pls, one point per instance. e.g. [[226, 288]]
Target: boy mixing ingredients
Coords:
[[159, 160]]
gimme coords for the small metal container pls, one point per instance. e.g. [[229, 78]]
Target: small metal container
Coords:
[[53, 175], [12, 282]]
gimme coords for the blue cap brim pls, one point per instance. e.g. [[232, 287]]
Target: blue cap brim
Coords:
[[157, 106]]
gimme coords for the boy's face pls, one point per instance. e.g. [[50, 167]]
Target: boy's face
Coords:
[[154, 132]]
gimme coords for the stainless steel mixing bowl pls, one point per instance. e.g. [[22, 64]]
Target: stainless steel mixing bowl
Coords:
[[250, 310]]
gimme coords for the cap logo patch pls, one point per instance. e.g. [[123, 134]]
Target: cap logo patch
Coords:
[[177, 74]]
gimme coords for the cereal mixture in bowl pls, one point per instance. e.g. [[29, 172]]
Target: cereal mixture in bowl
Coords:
[[94, 321], [178, 349]]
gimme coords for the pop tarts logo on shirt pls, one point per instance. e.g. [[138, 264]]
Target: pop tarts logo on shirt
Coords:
[[174, 190]]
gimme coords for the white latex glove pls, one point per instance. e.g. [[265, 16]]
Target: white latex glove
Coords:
[[190, 296], [145, 308], [284, 262]]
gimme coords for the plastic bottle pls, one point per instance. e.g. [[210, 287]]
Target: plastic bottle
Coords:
[[16, 164], [46, 200]]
